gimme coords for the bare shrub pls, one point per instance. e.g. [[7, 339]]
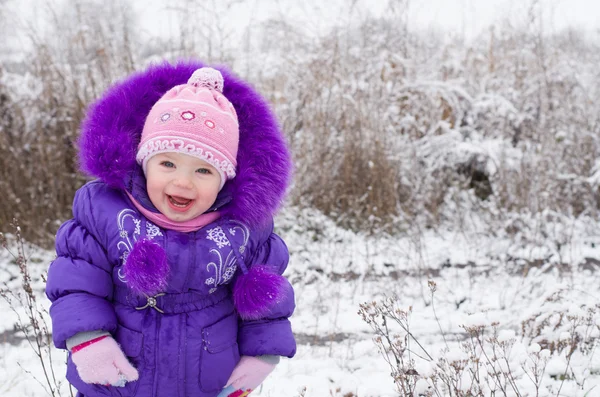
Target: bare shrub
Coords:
[[37, 159], [340, 142], [486, 360], [31, 315], [70, 65], [574, 325]]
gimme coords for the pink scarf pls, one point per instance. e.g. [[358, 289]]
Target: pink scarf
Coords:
[[188, 226]]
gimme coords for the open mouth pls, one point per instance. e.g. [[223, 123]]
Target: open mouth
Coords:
[[179, 203]]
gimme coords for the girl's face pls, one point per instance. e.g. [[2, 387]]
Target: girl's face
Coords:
[[181, 186]]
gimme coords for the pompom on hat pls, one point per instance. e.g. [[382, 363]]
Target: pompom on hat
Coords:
[[194, 119]]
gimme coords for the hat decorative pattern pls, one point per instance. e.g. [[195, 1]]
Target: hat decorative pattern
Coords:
[[215, 159]]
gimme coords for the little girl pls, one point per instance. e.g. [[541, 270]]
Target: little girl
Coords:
[[167, 280]]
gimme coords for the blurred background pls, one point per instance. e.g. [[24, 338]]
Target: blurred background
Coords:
[[431, 111]]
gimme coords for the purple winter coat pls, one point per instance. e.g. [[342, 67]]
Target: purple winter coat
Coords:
[[187, 340]]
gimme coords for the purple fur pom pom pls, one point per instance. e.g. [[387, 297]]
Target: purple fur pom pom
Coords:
[[256, 292], [146, 268]]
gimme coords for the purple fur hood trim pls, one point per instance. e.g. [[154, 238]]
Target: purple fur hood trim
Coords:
[[146, 268], [113, 126]]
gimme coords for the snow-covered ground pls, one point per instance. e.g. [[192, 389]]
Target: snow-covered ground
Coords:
[[480, 280]]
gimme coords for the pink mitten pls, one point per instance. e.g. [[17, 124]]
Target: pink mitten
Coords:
[[249, 373], [101, 361]]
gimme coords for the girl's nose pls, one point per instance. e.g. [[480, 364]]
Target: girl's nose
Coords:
[[183, 182]]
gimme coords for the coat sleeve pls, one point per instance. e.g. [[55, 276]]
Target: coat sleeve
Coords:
[[270, 335], [79, 283]]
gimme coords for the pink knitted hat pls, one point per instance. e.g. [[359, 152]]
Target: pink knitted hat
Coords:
[[195, 119]]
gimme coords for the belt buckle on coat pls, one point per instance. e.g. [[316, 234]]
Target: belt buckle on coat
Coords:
[[151, 302]]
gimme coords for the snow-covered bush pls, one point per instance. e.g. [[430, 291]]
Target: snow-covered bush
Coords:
[[505, 118]]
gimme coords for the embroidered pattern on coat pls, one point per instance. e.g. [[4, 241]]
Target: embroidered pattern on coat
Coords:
[[125, 218], [245, 234], [222, 268], [152, 230], [217, 235]]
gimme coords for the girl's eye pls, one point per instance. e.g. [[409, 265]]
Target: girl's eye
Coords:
[[203, 171], [167, 164]]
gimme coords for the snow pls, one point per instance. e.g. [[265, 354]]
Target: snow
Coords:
[[336, 348]]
